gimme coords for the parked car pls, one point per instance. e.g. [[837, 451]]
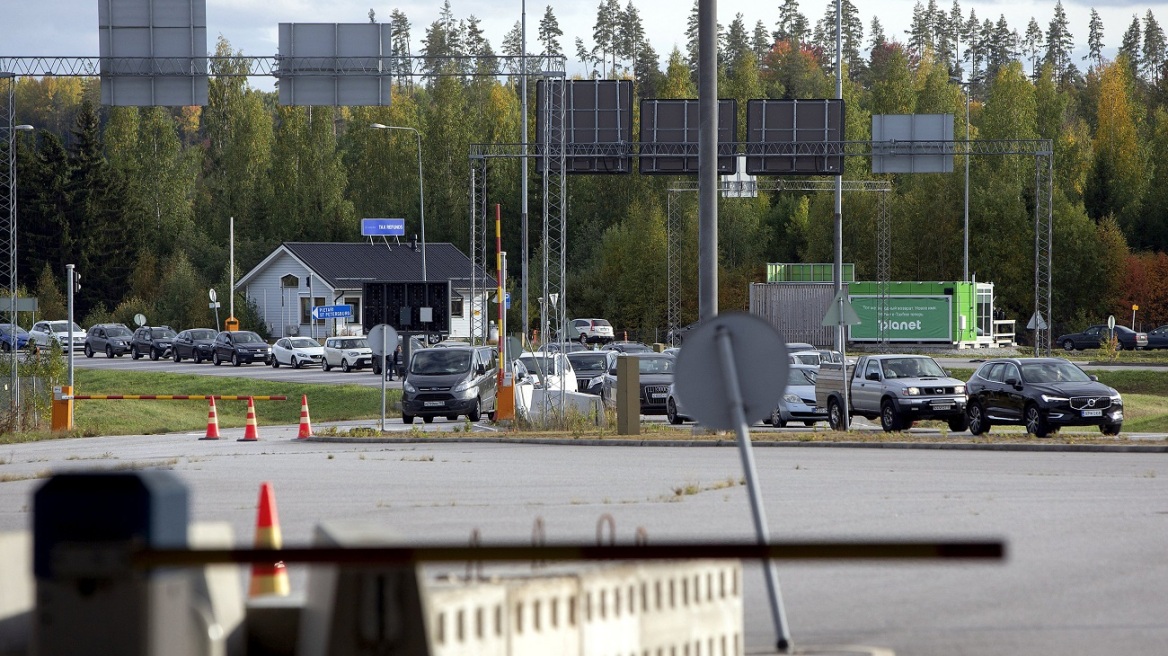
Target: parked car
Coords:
[[592, 364], [45, 333], [589, 331], [568, 347], [240, 347], [449, 382], [1042, 394], [348, 353], [674, 411], [156, 342], [804, 357], [296, 352], [627, 347], [1095, 336], [1158, 338], [798, 400], [12, 337], [655, 371], [109, 338], [197, 344], [549, 370]]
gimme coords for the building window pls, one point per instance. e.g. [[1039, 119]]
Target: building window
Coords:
[[354, 301], [306, 305], [290, 282], [456, 306]]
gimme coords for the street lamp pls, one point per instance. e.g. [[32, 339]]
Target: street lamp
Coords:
[[965, 252], [421, 192], [12, 259]]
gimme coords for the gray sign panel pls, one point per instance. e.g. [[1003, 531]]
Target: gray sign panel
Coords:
[[909, 143], [336, 64], [669, 136], [597, 120], [792, 137], [153, 52]]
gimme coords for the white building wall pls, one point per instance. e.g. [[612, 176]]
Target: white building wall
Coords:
[[279, 306]]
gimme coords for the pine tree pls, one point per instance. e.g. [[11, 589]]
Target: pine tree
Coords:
[[737, 44], [975, 48], [513, 41], [399, 47], [630, 34], [604, 33], [1154, 49], [1129, 48], [918, 31], [1095, 39], [792, 25], [550, 33], [1059, 43], [876, 36], [761, 41]]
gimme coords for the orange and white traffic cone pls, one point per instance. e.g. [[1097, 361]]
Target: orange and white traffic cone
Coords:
[[212, 422], [268, 579], [305, 421], [251, 431]]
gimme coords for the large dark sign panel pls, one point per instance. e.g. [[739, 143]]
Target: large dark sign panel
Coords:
[[794, 137], [595, 119], [669, 136], [401, 305]]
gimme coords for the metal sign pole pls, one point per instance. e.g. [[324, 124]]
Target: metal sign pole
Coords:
[[385, 365], [742, 429]]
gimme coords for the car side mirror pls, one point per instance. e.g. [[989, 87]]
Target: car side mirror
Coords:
[[1013, 382], [1093, 377], [481, 369]]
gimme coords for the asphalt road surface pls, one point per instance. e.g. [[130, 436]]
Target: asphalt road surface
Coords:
[[1086, 532]]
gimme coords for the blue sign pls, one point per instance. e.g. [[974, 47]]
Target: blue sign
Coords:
[[507, 300], [332, 311], [383, 227]]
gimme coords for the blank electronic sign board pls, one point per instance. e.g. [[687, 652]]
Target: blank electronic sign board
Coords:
[[669, 136], [336, 64], [153, 52], [912, 143], [792, 137], [596, 117], [400, 305]]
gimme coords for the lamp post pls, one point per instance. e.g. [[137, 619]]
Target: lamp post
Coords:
[[421, 192], [965, 241], [15, 383]]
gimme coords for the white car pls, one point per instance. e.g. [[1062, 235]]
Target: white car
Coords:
[[549, 371], [45, 333], [296, 352], [348, 353]]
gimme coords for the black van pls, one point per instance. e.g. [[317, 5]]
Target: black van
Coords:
[[448, 382]]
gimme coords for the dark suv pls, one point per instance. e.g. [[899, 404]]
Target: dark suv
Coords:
[[156, 341], [109, 338], [240, 347], [1042, 394], [448, 382]]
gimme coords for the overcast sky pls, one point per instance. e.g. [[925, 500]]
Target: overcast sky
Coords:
[[69, 27]]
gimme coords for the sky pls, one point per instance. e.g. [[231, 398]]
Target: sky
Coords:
[[69, 27]]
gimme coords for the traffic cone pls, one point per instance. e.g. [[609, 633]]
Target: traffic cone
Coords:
[[212, 422], [251, 431], [268, 579], [305, 421]]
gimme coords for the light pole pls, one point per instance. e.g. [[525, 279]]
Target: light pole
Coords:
[[12, 258], [965, 242], [421, 192]]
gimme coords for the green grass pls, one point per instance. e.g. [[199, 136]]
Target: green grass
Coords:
[[330, 402]]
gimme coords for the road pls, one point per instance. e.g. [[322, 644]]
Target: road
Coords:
[[1086, 531], [285, 374]]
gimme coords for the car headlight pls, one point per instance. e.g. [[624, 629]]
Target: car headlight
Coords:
[[1115, 398], [354, 354], [598, 380], [911, 391], [464, 388], [792, 398], [1051, 398], [408, 388], [959, 389]]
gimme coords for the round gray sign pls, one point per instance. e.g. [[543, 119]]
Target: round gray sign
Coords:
[[379, 335], [759, 357]]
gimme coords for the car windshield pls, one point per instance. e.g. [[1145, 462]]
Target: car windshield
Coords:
[[247, 338], [118, 331], [805, 358], [912, 368], [304, 342], [589, 362], [7, 327], [63, 327], [658, 365], [205, 333], [162, 333], [1053, 372], [802, 377], [355, 343], [539, 364], [439, 362]]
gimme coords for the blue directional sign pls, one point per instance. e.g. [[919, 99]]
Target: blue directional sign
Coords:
[[332, 311], [383, 227]]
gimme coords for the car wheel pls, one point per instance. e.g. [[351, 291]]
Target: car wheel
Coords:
[[975, 419], [88, 351], [428, 419], [235, 361], [109, 351], [154, 355], [958, 424], [275, 362], [198, 356], [1035, 422], [376, 366], [134, 354], [324, 364], [177, 357], [835, 415], [476, 412], [889, 417], [345, 367], [295, 363], [1111, 429], [671, 412], [1068, 345], [215, 358], [1119, 346], [583, 338], [777, 419], [5, 346], [407, 419]]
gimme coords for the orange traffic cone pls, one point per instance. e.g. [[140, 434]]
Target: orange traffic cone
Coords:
[[251, 431], [305, 421], [212, 423], [268, 579]]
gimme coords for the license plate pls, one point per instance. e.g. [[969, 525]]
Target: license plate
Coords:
[[942, 406], [659, 396], [434, 404], [1092, 413]]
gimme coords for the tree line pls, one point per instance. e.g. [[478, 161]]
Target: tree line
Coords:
[[141, 198]]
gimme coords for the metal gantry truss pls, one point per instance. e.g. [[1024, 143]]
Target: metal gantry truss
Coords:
[[8, 232], [674, 229]]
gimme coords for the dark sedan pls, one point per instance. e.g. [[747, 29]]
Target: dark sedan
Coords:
[[627, 347], [590, 365], [1095, 336], [240, 347], [1042, 394], [194, 344], [1158, 338], [655, 371]]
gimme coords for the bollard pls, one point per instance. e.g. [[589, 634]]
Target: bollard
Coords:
[[628, 396]]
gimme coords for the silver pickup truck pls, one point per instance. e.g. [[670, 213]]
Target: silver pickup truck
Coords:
[[899, 389]]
